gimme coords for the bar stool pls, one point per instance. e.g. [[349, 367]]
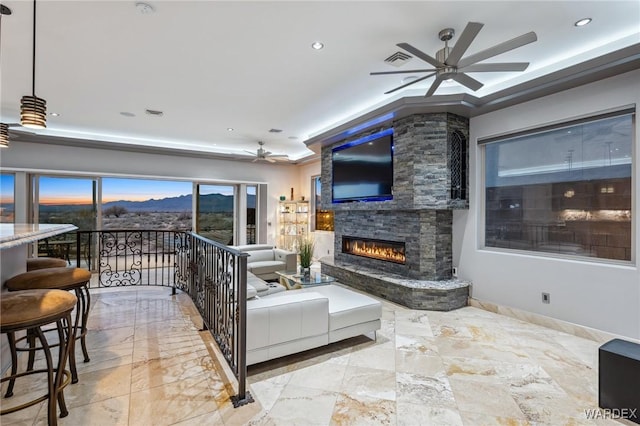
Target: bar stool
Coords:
[[76, 279], [30, 310], [34, 263]]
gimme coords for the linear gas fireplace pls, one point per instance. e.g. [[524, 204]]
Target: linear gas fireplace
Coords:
[[389, 251]]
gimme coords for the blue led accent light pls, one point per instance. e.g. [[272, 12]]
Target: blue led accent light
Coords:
[[372, 122], [364, 139]]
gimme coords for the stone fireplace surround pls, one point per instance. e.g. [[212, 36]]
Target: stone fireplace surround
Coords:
[[419, 215]]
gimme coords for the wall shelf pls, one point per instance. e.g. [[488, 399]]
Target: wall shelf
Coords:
[[293, 223]]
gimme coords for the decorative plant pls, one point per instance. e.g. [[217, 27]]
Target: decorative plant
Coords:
[[305, 250]]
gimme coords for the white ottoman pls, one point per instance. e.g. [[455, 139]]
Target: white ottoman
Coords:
[[350, 313]]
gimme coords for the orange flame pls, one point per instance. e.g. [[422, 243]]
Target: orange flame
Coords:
[[373, 250]]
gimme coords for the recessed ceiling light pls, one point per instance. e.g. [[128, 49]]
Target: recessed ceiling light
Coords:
[[127, 114], [229, 129], [144, 8], [449, 80], [317, 45], [293, 137], [582, 22], [275, 130], [54, 114]]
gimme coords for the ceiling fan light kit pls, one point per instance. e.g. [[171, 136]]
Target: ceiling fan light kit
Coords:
[[263, 155], [33, 110], [449, 62]]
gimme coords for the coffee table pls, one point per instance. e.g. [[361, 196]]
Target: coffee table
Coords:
[[292, 280]]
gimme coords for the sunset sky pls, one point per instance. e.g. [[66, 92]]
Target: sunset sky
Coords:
[[55, 190]]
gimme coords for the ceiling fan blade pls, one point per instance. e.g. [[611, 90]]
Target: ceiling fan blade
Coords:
[[250, 152], [465, 80], [434, 86], [270, 160], [496, 67], [466, 38], [400, 72], [498, 49], [264, 154], [420, 54], [410, 83], [279, 156], [255, 159]]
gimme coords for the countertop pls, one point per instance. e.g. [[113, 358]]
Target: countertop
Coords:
[[13, 235]]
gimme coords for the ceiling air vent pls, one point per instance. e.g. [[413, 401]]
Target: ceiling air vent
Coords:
[[398, 59], [154, 112]]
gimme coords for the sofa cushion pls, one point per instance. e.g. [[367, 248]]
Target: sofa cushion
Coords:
[[259, 256], [265, 267], [252, 247], [347, 307], [251, 291], [272, 321], [256, 283]]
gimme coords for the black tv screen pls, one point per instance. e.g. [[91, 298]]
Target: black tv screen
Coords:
[[363, 169]]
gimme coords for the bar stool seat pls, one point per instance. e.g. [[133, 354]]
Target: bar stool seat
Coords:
[[45, 262], [76, 279], [30, 310]]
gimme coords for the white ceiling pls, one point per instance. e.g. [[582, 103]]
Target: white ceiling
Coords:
[[213, 65]]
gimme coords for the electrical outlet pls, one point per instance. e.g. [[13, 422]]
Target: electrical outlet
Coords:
[[454, 271], [546, 298]]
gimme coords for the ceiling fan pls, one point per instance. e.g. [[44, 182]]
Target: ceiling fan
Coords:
[[264, 155], [449, 63]]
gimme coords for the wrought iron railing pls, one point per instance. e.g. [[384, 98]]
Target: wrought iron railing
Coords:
[[212, 274]]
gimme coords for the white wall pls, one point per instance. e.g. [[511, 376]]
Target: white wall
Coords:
[[590, 293], [106, 162]]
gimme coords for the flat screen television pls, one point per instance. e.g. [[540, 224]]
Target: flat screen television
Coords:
[[363, 169]]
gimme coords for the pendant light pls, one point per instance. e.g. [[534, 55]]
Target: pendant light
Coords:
[[33, 110], [4, 128]]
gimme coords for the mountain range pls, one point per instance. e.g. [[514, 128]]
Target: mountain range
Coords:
[[207, 203]]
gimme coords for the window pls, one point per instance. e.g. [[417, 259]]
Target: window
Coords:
[[146, 204], [7, 205], [322, 220], [251, 213], [215, 213], [564, 190], [66, 200]]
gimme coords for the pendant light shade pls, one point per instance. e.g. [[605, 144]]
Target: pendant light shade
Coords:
[[33, 110], [4, 135], [4, 128]]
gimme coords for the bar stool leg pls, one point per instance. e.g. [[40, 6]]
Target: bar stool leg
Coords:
[[72, 342], [79, 330], [65, 329], [51, 404], [31, 339], [84, 303], [11, 337]]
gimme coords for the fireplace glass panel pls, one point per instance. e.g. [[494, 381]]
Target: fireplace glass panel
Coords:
[[390, 251]]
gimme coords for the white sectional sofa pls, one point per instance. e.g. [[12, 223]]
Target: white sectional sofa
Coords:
[[287, 322], [264, 260]]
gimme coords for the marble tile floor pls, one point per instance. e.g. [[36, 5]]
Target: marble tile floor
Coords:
[[150, 365]]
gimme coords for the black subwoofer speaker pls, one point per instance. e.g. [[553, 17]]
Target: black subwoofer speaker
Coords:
[[619, 378]]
